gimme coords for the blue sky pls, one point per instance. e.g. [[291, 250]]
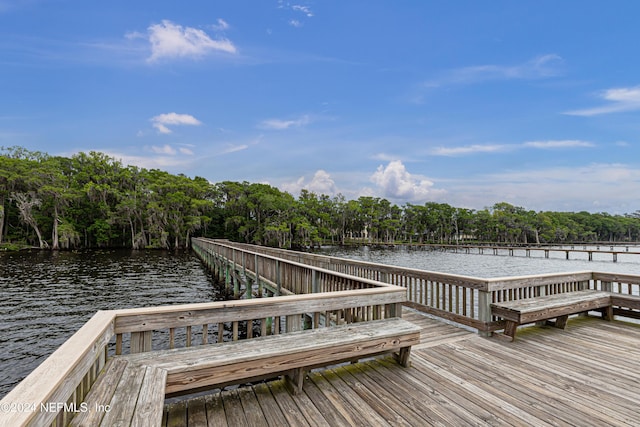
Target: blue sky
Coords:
[[534, 103]]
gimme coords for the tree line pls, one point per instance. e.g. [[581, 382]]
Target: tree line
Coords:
[[91, 200]]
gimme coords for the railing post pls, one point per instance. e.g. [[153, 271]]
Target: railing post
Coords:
[[293, 323], [314, 281], [484, 311], [278, 282]]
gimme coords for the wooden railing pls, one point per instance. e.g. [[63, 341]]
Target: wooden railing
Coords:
[[55, 391], [307, 290], [463, 299]]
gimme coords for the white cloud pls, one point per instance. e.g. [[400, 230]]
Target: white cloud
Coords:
[[278, 124], [321, 183], [470, 149], [621, 100], [161, 121], [170, 41], [551, 144], [295, 23], [222, 25], [234, 148], [397, 183], [539, 67], [304, 9], [165, 149], [501, 148]]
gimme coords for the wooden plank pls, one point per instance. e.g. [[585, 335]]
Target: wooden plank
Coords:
[[378, 396], [372, 403], [288, 407], [427, 397], [340, 404], [233, 409], [150, 400], [124, 400], [251, 406], [542, 406], [101, 393], [177, 414], [327, 411], [197, 412], [549, 374], [270, 409], [216, 416]]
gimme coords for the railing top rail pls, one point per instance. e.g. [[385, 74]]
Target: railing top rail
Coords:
[[511, 282], [153, 318], [302, 265], [469, 281], [616, 277]]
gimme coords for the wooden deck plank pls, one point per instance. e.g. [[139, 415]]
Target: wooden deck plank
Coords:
[[270, 409], [177, 414], [289, 408], [197, 412], [251, 406], [365, 413], [359, 383], [340, 404], [532, 373], [324, 406], [585, 375], [233, 409], [216, 417], [542, 407], [425, 399]]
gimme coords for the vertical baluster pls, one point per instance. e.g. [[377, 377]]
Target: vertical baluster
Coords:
[[220, 332]]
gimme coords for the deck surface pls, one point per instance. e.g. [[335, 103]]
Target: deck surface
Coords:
[[585, 375]]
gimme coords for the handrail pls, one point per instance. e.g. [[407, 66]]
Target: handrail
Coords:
[[462, 299]]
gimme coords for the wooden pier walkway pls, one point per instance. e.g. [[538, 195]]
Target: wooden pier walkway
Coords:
[[584, 375]]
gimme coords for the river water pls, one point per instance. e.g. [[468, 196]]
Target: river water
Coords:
[[46, 296]]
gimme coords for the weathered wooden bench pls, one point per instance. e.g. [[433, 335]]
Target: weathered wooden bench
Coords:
[[134, 386], [544, 308]]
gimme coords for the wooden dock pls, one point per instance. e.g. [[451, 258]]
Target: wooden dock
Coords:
[[584, 375]]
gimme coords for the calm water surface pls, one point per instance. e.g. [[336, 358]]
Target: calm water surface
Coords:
[[488, 265], [45, 297]]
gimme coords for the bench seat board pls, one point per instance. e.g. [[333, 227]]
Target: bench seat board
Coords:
[[209, 365], [551, 306]]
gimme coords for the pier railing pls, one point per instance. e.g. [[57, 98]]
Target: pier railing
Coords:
[[462, 299], [55, 391]]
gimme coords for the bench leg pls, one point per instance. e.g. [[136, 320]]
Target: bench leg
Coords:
[[403, 356], [510, 328], [561, 321], [607, 313], [294, 380]]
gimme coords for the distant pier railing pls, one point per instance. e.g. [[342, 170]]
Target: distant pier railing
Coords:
[[464, 299]]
